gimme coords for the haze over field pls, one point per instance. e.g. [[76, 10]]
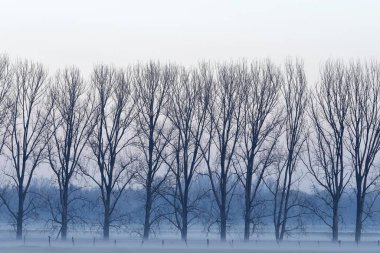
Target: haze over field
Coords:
[[205, 125]]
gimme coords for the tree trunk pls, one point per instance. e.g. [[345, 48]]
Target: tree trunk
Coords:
[[149, 179], [282, 233], [184, 217], [64, 227], [223, 225], [223, 196], [64, 214], [287, 195], [184, 227], [277, 232], [359, 216], [223, 216], [19, 227], [20, 215], [148, 207], [106, 225], [335, 221], [247, 212], [247, 224]]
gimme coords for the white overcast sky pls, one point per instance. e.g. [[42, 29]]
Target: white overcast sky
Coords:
[[87, 32]]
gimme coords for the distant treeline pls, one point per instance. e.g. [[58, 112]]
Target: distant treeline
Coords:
[[86, 211], [258, 132]]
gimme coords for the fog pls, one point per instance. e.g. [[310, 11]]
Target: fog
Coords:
[[200, 126], [191, 247]]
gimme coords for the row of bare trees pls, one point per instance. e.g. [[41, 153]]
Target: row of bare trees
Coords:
[[157, 127], [344, 143]]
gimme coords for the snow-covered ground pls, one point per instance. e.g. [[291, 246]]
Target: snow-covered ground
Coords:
[[166, 240], [193, 246]]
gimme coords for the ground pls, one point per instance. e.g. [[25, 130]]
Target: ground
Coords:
[[196, 246]]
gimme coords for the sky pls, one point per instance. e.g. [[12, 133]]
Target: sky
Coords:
[[87, 32]]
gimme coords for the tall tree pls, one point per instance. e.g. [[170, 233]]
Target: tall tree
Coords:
[[294, 91], [329, 112], [222, 134], [6, 81], [363, 132], [27, 135], [259, 131], [112, 138], [187, 112], [152, 83], [73, 124]]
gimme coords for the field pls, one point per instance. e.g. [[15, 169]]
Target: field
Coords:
[[87, 240], [196, 246]]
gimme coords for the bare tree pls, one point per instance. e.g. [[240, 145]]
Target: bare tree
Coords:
[[6, 80], [325, 160], [27, 135], [187, 111], [222, 134], [259, 131], [73, 124], [294, 90], [152, 83], [364, 132], [112, 137]]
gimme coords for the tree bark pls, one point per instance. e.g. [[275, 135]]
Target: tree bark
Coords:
[[223, 224], [359, 213], [248, 209], [64, 213], [184, 226], [335, 221], [106, 225], [185, 214], [148, 208], [20, 215]]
